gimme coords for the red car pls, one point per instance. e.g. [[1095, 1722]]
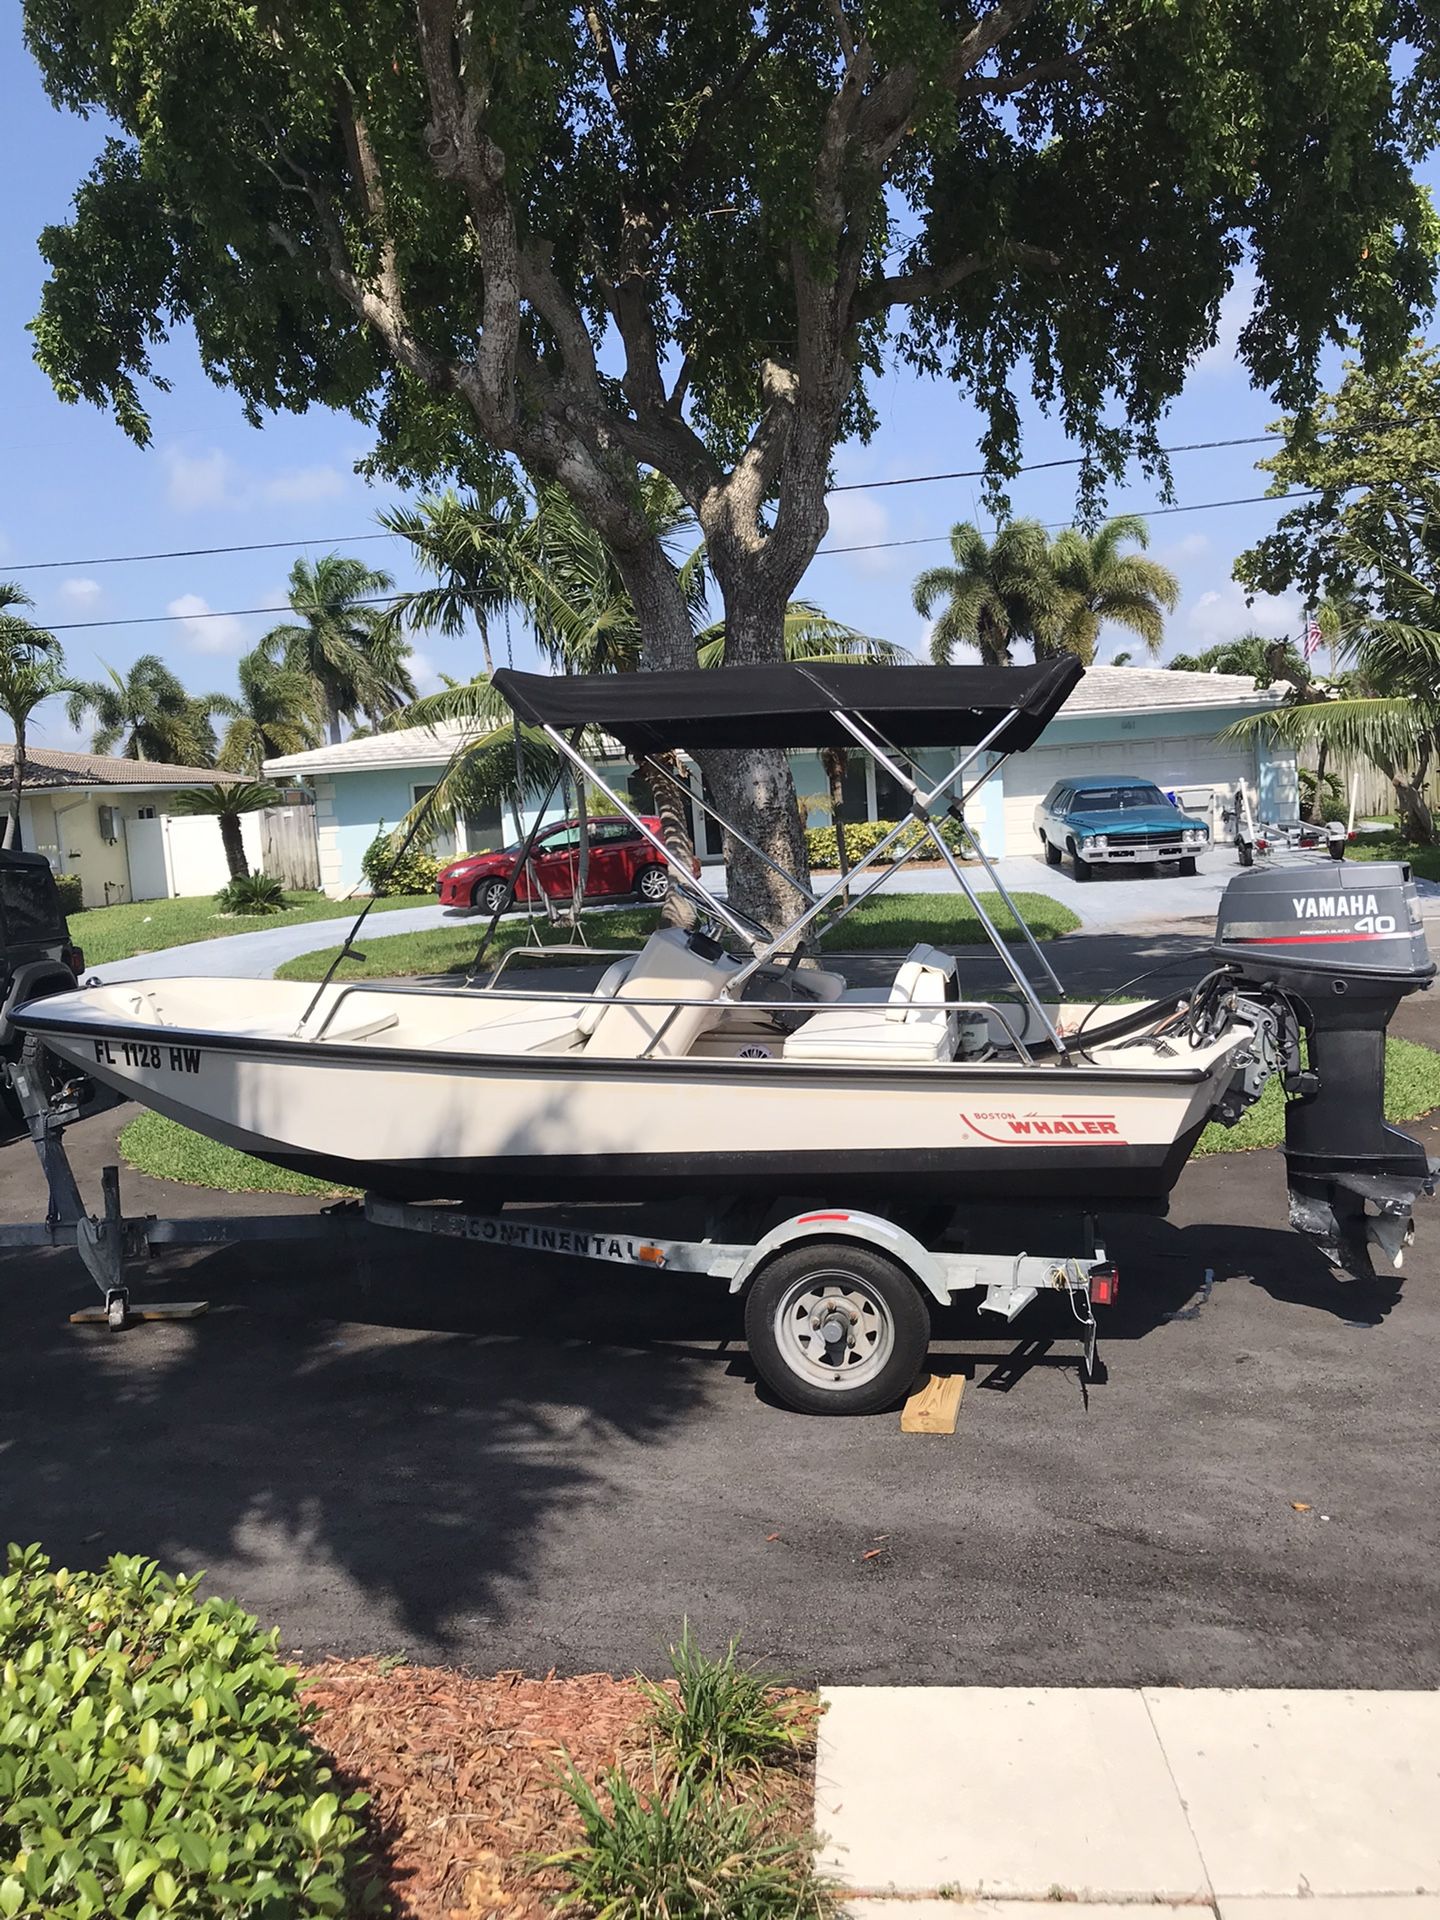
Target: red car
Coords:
[[622, 864]]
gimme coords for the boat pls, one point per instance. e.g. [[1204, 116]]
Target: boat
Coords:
[[708, 1061]]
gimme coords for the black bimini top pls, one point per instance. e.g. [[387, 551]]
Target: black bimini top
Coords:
[[794, 705]]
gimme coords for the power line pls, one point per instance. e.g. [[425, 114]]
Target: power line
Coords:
[[354, 539], [821, 553]]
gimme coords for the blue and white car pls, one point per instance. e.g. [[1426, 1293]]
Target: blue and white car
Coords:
[[1111, 819]]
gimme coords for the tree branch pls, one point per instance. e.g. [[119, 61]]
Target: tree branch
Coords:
[[926, 283], [1068, 67]]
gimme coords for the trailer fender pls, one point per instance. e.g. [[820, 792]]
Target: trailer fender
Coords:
[[866, 1229], [33, 981]]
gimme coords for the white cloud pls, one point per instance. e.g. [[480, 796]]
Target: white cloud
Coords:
[[299, 484], [198, 481], [424, 672], [219, 633], [206, 481], [80, 593], [1235, 309], [1191, 547], [1221, 614], [857, 521]]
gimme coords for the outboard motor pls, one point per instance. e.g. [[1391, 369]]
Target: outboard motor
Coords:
[[1343, 944]]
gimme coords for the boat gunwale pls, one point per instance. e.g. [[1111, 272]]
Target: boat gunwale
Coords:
[[33, 1018]]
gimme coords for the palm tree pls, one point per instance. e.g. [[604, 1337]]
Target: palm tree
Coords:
[[27, 680], [353, 653], [278, 712], [475, 549], [1264, 661], [992, 595], [149, 715], [1098, 583], [227, 800], [1389, 709]]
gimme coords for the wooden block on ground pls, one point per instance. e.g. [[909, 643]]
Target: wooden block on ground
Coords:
[[138, 1310], [934, 1405]]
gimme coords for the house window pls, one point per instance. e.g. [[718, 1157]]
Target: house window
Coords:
[[145, 813]]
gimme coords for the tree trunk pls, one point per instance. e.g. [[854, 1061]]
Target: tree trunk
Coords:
[[1317, 797], [835, 760], [17, 787], [582, 851], [234, 844], [332, 718], [669, 794], [488, 657]]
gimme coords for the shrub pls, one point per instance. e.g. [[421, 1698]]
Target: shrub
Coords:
[[252, 893], [862, 835], [722, 1717], [153, 1757], [71, 890], [1334, 802], [414, 872]]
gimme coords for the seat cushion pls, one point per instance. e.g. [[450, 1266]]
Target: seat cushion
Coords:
[[867, 1035], [666, 968]]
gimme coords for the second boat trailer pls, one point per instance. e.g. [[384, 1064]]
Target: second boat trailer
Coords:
[[837, 1301]]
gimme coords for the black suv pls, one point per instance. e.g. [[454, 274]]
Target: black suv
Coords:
[[37, 956]]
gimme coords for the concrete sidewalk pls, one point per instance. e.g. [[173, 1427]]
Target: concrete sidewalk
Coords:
[[1236, 1799]]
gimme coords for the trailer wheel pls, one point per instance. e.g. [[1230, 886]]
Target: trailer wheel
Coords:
[[836, 1328], [1246, 852]]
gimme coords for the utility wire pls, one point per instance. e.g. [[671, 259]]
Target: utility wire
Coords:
[[821, 553], [354, 539]]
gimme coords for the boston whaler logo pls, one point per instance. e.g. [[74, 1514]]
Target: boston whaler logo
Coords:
[[1008, 1129]]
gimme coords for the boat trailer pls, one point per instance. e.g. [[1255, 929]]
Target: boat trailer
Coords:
[[837, 1301]]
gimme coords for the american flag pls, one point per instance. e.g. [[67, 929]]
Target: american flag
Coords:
[[1312, 635]]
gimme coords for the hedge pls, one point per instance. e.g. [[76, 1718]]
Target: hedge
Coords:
[[153, 1757], [71, 890], [414, 872], [862, 835]]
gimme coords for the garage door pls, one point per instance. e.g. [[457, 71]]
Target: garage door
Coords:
[[1194, 767]]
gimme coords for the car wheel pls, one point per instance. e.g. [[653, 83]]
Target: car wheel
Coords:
[[1052, 852], [836, 1328], [652, 884], [1082, 868], [489, 896], [1188, 868]]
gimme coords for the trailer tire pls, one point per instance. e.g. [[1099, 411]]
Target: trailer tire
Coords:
[[1246, 852], [795, 1322]]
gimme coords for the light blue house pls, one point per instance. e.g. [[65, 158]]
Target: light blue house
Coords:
[[1144, 721]]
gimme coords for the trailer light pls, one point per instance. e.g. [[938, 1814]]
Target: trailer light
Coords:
[[809, 1219], [1104, 1286], [652, 1256]]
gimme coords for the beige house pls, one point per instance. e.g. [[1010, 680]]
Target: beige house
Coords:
[[106, 819]]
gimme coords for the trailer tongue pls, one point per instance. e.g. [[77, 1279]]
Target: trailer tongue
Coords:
[[1343, 945]]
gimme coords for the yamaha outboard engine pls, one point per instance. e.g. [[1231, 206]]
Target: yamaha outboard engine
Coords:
[[1343, 944]]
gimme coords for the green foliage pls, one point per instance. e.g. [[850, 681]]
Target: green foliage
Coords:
[[342, 643], [225, 796], [148, 715], [71, 890], [681, 1851], [149, 926], [153, 1757], [1371, 452], [1322, 798], [862, 835], [414, 871], [722, 1717], [255, 894]]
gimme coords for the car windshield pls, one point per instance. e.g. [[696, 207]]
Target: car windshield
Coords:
[[1118, 799]]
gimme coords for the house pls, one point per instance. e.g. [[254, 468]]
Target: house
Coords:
[[1145, 721], [106, 819]]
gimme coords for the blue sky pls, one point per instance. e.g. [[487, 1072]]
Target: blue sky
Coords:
[[72, 488]]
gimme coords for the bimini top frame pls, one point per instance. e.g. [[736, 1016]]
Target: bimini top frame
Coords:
[[996, 710]]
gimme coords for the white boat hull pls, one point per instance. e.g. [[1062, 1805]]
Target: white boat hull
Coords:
[[448, 1120]]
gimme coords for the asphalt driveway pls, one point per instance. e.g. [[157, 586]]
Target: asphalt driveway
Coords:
[[506, 1460]]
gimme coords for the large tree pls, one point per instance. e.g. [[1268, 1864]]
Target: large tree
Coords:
[[31, 672], [277, 712], [993, 594], [1099, 582], [604, 237]]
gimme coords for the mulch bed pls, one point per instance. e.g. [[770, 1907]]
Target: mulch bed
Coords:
[[463, 1775]]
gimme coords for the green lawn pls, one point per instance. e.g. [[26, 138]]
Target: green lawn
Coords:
[[1412, 1086], [890, 921], [147, 926], [167, 1151], [1424, 861]]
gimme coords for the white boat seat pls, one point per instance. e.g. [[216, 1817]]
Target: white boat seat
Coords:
[[871, 1036], [667, 967], [553, 1030], [606, 988], [362, 1029], [928, 978]]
